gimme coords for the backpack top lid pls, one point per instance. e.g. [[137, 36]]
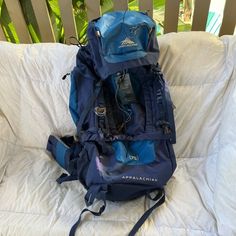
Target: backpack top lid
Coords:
[[121, 40], [124, 35]]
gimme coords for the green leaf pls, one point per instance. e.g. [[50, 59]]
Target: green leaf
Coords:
[[184, 27], [33, 34], [1, 2], [30, 19], [80, 14], [106, 6], [158, 3], [55, 16], [54, 7], [133, 5]]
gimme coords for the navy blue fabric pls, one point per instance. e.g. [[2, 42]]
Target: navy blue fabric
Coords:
[[65, 178], [59, 150], [88, 107], [109, 170], [66, 152], [123, 147], [149, 123]]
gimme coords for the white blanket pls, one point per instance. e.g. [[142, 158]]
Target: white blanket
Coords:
[[201, 196]]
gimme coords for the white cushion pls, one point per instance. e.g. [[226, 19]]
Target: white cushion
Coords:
[[200, 70]]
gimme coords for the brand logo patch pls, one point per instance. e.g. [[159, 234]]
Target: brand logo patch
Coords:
[[133, 158], [127, 42]]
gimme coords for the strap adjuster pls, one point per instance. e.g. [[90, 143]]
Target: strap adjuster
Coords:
[[165, 126], [95, 191], [100, 111]]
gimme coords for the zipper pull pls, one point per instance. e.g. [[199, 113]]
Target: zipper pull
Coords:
[[64, 76]]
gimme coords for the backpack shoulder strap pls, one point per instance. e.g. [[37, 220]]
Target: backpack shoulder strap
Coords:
[[89, 106], [160, 199], [95, 191], [74, 227]]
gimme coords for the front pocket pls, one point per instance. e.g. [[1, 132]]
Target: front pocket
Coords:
[[117, 168], [135, 152]]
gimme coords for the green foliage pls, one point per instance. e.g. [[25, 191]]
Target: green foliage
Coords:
[[30, 20], [158, 4], [184, 27], [1, 1], [55, 16], [80, 14], [80, 18], [133, 5], [106, 6], [6, 23]]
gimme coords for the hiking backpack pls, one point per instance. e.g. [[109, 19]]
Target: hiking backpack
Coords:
[[123, 112]]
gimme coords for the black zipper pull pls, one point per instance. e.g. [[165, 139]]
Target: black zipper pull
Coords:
[[64, 76]]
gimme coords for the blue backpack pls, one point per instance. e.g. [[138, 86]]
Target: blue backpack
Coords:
[[123, 112]]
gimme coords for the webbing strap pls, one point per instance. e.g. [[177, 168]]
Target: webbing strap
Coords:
[[102, 119], [74, 227], [65, 177], [160, 198], [88, 106]]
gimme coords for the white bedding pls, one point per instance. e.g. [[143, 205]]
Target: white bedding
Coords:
[[201, 196]]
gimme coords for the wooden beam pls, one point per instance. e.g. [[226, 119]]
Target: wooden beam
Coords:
[[17, 17], [146, 6], [171, 16], [43, 20], [68, 19], [229, 18], [200, 15], [93, 9], [120, 5]]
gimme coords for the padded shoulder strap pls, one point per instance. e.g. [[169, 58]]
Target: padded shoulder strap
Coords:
[[88, 107]]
